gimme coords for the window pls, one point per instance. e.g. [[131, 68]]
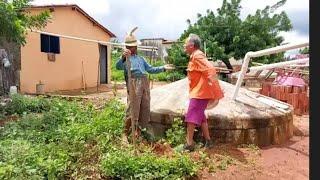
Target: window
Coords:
[[50, 44]]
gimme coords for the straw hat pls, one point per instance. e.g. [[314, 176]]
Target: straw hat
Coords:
[[130, 39]]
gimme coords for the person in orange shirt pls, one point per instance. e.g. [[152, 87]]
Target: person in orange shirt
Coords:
[[204, 90]]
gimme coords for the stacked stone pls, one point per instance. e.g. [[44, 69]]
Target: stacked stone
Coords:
[[297, 96]]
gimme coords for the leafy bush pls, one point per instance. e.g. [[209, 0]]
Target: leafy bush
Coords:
[[37, 146], [73, 141], [178, 57], [176, 135], [116, 75], [24, 160], [21, 105], [128, 165]]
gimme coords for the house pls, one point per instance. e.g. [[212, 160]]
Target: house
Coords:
[[168, 43], [162, 44], [58, 63]]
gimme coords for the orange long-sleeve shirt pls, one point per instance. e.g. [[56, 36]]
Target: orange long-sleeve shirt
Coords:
[[199, 71]]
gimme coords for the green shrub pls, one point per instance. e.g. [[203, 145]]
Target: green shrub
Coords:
[[176, 135], [72, 141], [116, 75], [128, 165], [24, 160], [21, 104]]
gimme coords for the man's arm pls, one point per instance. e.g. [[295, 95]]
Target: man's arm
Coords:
[[120, 65], [152, 70]]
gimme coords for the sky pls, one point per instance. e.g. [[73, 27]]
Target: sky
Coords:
[[167, 18]]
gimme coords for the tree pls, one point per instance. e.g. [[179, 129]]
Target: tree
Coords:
[[226, 35], [15, 21], [304, 50]]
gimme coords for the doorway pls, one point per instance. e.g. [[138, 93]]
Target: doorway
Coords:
[[103, 64]]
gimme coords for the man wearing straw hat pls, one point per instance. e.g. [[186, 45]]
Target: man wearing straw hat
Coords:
[[140, 82]]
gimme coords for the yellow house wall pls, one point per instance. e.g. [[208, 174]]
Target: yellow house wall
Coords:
[[67, 71]]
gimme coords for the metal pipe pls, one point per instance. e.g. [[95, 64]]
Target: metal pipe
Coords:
[[90, 40], [241, 75], [262, 53], [277, 49], [271, 66], [205, 48]]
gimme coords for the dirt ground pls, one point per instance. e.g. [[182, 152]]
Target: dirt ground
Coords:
[[289, 161], [286, 161]]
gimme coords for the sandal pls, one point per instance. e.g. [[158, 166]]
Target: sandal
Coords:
[[209, 144], [188, 147]]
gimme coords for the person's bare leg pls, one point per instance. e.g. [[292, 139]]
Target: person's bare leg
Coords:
[[205, 130], [190, 132]]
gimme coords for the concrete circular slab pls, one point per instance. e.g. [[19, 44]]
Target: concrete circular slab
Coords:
[[251, 118]]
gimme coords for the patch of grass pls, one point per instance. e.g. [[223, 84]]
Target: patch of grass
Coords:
[[69, 140], [129, 165], [176, 135], [216, 162], [251, 147], [20, 104]]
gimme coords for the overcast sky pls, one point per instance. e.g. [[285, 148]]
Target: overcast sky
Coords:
[[167, 18]]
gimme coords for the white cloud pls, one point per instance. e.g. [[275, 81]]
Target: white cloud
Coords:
[[294, 37], [250, 6], [167, 18], [92, 7]]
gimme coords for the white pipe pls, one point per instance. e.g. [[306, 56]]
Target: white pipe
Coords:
[[296, 70], [151, 50], [205, 49], [277, 49], [90, 40], [262, 53], [281, 64], [299, 65], [243, 71], [139, 47]]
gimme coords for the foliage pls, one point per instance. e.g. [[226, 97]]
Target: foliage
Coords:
[[176, 135], [125, 164], [15, 20], [69, 140], [304, 50], [167, 76], [118, 75], [164, 76], [178, 57], [22, 105], [44, 149], [226, 35]]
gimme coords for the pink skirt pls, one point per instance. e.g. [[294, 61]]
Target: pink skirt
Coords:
[[195, 112]]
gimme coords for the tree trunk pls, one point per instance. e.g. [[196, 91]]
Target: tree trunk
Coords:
[[228, 64]]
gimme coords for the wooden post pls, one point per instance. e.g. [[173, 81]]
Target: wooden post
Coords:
[[151, 63], [83, 78], [131, 99], [98, 78]]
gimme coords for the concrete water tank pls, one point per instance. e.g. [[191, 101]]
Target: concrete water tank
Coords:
[[250, 119]]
